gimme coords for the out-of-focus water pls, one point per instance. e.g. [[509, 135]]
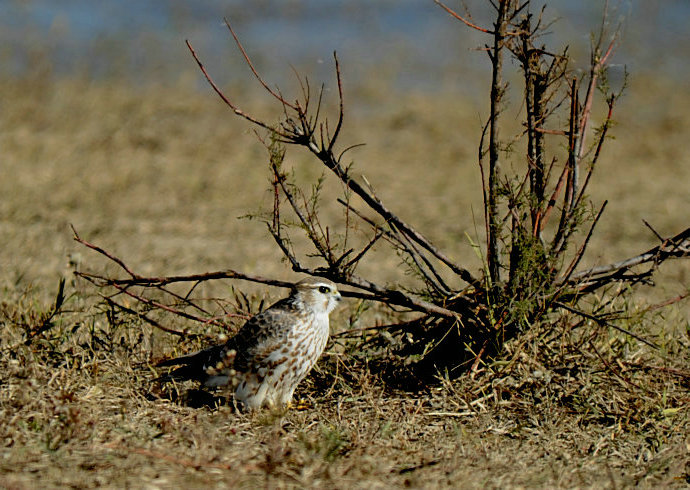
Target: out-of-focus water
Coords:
[[413, 40]]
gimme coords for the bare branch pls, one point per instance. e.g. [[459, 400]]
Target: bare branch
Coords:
[[357, 258], [391, 296], [597, 153], [677, 246], [276, 95], [148, 320], [227, 101], [102, 252], [138, 280], [497, 89], [598, 63], [376, 205], [336, 133], [462, 19], [164, 307], [583, 247], [656, 234], [605, 323]]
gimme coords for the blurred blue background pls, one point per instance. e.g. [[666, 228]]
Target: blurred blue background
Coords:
[[414, 41]]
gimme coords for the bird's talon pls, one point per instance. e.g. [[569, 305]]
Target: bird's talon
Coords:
[[302, 404]]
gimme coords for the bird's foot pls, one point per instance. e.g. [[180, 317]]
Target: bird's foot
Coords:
[[301, 404]]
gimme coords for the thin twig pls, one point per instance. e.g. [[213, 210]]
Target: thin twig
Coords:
[[355, 260], [279, 97], [656, 234], [303, 136], [583, 247], [102, 252], [462, 19], [206, 276], [671, 301], [227, 101], [552, 201], [600, 143], [341, 111], [597, 65], [674, 246], [605, 323], [148, 320], [170, 309]]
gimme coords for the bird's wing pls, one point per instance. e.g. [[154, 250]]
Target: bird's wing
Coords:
[[258, 337], [193, 366], [261, 335]]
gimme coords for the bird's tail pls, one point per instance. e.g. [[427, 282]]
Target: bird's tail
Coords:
[[192, 366]]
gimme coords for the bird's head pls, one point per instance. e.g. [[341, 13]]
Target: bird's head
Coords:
[[319, 293]]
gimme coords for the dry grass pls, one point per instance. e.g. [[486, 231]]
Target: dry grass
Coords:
[[159, 176]]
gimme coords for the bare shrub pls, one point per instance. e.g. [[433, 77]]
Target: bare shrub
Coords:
[[538, 218]]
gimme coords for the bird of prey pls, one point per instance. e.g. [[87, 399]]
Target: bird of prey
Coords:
[[271, 353]]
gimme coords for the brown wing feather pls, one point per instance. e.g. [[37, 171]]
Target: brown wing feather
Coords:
[[260, 335]]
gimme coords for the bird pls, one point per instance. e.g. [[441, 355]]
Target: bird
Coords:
[[271, 353]]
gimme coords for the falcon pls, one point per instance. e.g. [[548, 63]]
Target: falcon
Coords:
[[271, 353]]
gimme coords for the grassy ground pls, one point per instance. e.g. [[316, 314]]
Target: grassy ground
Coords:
[[159, 177]]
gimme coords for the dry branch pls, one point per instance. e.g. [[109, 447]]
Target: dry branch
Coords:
[[465, 21], [497, 89], [376, 293], [597, 277], [300, 129], [530, 268]]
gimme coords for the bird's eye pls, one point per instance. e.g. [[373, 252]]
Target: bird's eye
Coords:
[[324, 289]]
